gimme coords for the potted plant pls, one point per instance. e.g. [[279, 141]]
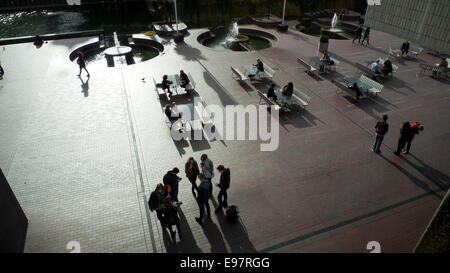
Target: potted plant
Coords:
[[323, 43]]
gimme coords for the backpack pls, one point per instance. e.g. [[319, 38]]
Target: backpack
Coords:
[[232, 213], [382, 128], [152, 201]]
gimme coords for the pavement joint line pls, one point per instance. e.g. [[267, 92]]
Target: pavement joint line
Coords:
[[138, 160], [348, 222]]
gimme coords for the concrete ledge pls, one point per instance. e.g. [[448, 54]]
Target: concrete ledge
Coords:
[[48, 37]]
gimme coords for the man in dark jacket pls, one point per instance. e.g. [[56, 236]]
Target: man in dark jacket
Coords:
[[404, 133], [171, 179], [223, 185], [156, 201], [366, 36], [405, 48], [204, 190], [413, 131], [358, 34], [381, 128]]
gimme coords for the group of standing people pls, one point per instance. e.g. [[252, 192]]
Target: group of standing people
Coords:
[[164, 200], [359, 35], [407, 133]]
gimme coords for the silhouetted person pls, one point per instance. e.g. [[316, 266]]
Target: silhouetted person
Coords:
[[223, 185], [170, 217], [38, 41], [288, 89], [355, 87], [156, 201], [81, 63], [192, 171], [366, 36], [413, 131], [204, 190], [184, 79], [165, 85], [358, 34], [387, 67], [404, 134], [381, 128], [2, 72], [171, 179], [405, 48], [271, 92]]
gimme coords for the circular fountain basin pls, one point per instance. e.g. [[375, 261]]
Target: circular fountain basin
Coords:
[[248, 39], [118, 50]]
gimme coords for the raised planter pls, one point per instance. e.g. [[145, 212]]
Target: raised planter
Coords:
[[178, 38], [282, 27]]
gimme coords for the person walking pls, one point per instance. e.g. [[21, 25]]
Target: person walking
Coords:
[[81, 63], [404, 133], [204, 190], [381, 128], [405, 48], [358, 34], [413, 131], [171, 179], [156, 202], [223, 185], [170, 217], [366, 36], [192, 171]]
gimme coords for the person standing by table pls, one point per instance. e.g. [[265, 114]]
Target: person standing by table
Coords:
[[355, 87]]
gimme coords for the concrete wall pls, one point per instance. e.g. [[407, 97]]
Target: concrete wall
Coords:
[[425, 22], [13, 222]]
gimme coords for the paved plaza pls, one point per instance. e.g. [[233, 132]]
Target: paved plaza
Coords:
[[82, 159]]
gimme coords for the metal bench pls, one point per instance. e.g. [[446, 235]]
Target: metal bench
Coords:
[[395, 51], [309, 69], [205, 115], [268, 101], [191, 85], [369, 71], [301, 98], [434, 69], [158, 88], [376, 87], [344, 88], [414, 51], [236, 74]]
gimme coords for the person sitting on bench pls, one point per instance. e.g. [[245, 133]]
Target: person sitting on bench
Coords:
[[170, 113], [38, 41], [376, 66], [259, 66], [325, 60], [355, 87], [288, 90], [405, 48], [184, 79], [165, 85], [271, 93], [387, 67], [444, 64]]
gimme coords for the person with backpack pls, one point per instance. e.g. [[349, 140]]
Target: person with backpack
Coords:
[[381, 128], [404, 133], [204, 190], [192, 171], [170, 217], [156, 201], [223, 185], [171, 179], [413, 131]]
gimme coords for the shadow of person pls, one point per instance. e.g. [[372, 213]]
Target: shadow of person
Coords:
[[236, 235], [85, 87], [214, 236], [187, 244], [437, 177], [420, 183]]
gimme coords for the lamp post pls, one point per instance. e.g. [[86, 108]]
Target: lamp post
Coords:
[[282, 26], [284, 11], [176, 15], [178, 37]]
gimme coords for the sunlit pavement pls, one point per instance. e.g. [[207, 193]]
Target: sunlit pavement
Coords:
[[83, 165]]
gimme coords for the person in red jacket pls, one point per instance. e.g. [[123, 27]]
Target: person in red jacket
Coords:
[[414, 130]]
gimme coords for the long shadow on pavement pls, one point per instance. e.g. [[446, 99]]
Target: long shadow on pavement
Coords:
[[420, 183], [437, 177], [187, 244], [188, 52], [225, 98], [236, 235]]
